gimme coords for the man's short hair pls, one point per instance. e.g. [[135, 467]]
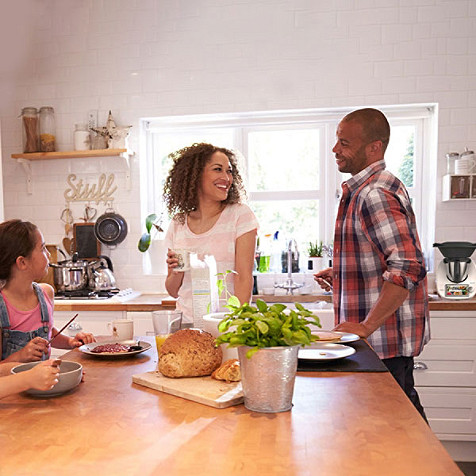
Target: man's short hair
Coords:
[[374, 125]]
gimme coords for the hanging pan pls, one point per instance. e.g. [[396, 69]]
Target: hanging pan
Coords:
[[110, 229]]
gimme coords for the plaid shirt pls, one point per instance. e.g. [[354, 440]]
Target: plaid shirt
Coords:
[[375, 241]]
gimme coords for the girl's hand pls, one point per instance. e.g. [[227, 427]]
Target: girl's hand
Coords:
[[81, 338], [34, 350], [43, 376]]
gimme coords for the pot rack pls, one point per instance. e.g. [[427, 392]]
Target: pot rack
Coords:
[[25, 160]]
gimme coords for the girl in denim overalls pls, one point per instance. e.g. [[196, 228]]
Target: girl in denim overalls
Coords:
[[26, 307]]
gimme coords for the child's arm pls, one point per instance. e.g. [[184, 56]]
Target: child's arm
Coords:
[[41, 377], [65, 342], [33, 351]]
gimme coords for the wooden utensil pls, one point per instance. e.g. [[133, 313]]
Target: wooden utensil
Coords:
[[63, 328]]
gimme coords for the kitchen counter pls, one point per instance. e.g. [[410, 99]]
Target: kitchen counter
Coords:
[[340, 424], [153, 302]]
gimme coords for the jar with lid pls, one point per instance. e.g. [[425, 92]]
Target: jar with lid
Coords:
[[450, 162], [81, 137], [30, 138], [47, 129]]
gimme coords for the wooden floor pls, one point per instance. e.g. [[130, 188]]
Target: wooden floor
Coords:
[[468, 468]]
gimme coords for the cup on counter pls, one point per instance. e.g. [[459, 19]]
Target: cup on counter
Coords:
[[165, 323], [122, 329], [183, 257]]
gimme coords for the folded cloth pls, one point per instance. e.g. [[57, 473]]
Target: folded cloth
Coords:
[[364, 360]]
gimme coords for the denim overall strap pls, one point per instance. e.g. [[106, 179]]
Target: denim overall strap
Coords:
[[4, 324], [45, 317], [15, 340]]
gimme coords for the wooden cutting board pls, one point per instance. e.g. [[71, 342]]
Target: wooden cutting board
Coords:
[[205, 390]]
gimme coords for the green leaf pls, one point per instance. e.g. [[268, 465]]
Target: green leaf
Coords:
[[149, 221], [233, 301], [262, 306], [262, 326], [144, 242]]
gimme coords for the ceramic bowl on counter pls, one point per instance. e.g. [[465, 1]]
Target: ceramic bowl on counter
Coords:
[[210, 324], [70, 374]]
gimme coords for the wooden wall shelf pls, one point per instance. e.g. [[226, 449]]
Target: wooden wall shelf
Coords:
[[71, 154], [25, 160]]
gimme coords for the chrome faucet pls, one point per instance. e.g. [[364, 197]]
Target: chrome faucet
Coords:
[[289, 285]]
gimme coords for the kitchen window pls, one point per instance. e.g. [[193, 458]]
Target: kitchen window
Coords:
[[288, 166]]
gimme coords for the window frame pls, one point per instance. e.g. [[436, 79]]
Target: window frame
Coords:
[[423, 116]]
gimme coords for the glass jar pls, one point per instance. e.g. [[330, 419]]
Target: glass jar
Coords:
[[450, 162], [47, 129], [81, 137], [30, 139]]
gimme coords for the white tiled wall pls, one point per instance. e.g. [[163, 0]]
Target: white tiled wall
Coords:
[[143, 58]]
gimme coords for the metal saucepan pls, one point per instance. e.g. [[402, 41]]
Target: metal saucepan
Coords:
[[70, 275], [110, 229]]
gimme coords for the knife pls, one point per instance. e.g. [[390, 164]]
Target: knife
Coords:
[[63, 328]]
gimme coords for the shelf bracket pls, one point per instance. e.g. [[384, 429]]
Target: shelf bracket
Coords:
[[126, 156], [27, 168]]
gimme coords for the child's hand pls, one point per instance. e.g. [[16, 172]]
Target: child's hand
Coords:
[[34, 350], [44, 376], [81, 338]]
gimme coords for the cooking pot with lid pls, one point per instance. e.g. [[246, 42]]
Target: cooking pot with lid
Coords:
[[70, 275]]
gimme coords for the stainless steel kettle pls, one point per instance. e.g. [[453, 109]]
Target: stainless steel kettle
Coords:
[[100, 275]]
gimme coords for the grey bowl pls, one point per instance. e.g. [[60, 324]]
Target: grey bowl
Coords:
[[69, 377]]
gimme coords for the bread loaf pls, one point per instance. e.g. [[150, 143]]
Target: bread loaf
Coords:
[[229, 371], [189, 353]]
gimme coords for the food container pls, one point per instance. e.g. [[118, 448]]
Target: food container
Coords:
[[47, 129], [30, 131], [81, 137], [70, 374]]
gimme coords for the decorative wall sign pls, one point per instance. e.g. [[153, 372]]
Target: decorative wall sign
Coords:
[[102, 191]]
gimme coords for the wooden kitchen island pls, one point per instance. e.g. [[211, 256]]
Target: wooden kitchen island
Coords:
[[341, 424]]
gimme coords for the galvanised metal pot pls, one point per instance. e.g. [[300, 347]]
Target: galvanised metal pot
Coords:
[[70, 275]]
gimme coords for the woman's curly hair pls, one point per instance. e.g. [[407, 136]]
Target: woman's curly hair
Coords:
[[182, 185]]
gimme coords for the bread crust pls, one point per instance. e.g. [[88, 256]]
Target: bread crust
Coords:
[[229, 371], [189, 353]]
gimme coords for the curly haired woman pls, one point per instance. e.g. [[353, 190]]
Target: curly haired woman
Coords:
[[203, 193]]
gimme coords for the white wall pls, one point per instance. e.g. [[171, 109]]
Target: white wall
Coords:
[[151, 58]]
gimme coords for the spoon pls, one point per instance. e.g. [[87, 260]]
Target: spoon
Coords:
[[135, 347]]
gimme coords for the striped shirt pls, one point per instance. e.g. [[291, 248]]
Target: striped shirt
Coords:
[[375, 241]]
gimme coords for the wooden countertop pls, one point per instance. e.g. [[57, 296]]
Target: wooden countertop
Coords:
[[153, 302], [340, 424]]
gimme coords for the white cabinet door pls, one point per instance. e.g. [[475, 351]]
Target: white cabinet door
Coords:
[[95, 322], [450, 410], [142, 323], [447, 363]]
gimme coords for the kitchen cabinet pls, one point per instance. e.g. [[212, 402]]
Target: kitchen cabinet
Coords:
[[459, 187], [445, 376]]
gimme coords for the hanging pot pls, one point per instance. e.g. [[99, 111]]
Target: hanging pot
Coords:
[[110, 229]]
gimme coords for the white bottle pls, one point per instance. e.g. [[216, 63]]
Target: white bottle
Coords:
[[81, 137]]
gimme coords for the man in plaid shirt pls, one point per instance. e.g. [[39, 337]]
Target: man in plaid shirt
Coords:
[[378, 275]]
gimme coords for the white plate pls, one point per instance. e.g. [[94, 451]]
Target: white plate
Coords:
[[87, 348], [346, 337], [326, 352]]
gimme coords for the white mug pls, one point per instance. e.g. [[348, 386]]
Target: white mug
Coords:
[[465, 164], [183, 257], [122, 329]]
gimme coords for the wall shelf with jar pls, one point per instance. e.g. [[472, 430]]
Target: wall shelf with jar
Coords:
[[459, 187], [25, 160]]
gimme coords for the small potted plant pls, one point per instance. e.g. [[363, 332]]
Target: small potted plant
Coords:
[[157, 254], [268, 339], [315, 256]]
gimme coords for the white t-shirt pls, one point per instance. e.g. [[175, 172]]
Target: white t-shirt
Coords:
[[234, 221]]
